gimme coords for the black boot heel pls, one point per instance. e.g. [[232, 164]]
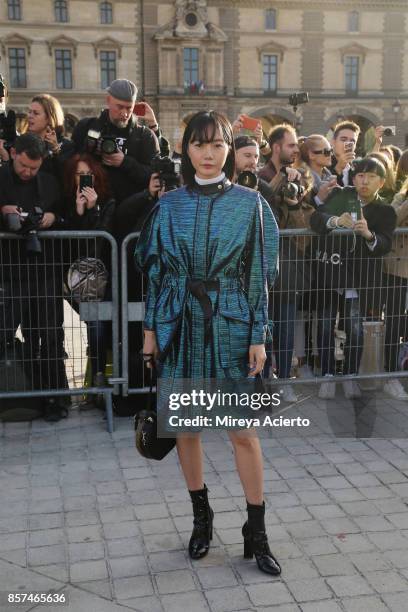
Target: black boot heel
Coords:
[[248, 552], [256, 541], [203, 524]]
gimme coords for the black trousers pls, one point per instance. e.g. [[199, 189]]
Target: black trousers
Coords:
[[35, 303]]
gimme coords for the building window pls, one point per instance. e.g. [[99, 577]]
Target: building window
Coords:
[[61, 11], [17, 66], [270, 19], [353, 21], [106, 12], [352, 64], [63, 68], [190, 59], [14, 9], [270, 72], [108, 68]]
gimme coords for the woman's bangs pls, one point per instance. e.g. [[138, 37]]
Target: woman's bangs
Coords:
[[205, 130]]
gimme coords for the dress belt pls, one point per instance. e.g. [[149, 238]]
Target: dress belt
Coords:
[[199, 289]]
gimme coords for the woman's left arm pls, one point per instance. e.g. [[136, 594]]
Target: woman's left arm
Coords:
[[261, 266]]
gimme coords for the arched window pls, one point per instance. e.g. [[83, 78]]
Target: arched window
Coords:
[[61, 11], [14, 10], [106, 12], [353, 21]]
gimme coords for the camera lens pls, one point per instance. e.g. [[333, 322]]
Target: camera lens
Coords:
[[109, 146], [387, 132]]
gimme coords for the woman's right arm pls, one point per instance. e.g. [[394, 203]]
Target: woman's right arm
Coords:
[[148, 259]]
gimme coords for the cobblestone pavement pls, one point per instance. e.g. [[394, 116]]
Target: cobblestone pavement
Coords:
[[82, 513]]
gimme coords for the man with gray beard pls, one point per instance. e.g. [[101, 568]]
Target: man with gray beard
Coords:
[[115, 138]]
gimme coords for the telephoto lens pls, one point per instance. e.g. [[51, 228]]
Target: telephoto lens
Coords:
[[247, 179]]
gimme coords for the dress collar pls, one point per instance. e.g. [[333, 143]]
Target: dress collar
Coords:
[[220, 186]]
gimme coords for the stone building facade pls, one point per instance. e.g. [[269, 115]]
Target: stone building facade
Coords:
[[68, 48], [233, 55]]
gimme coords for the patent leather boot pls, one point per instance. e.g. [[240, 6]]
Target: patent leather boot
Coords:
[[203, 524], [256, 541]]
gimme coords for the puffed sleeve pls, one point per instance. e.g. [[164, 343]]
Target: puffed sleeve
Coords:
[[261, 264], [148, 259]]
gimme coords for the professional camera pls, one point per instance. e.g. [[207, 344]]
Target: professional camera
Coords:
[[291, 190], [7, 119], [169, 172], [246, 178], [27, 224], [102, 144], [297, 99]]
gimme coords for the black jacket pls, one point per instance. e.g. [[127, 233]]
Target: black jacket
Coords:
[[345, 261], [99, 218], [48, 198], [140, 145]]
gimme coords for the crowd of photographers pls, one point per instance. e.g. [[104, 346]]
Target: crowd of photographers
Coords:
[[112, 171]]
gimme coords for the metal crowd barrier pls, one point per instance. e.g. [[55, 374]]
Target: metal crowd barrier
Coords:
[[49, 357], [304, 297], [314, 310]]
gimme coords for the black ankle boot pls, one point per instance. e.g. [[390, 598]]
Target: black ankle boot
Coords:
[[203, 524], [256, 540]]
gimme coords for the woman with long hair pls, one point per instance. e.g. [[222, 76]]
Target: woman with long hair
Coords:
[[90, 208], [46, 120], [209, 251]]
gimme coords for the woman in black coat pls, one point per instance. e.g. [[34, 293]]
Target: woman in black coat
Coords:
[[90, 209]]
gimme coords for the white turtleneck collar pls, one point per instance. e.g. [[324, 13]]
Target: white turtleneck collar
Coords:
[[217, 179]]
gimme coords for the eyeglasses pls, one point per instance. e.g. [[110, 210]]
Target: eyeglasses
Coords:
[[84, 174], [325, 152]]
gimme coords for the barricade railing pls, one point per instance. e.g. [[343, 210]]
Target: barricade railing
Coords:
[[306, 284], [53, 342], [325, 313]]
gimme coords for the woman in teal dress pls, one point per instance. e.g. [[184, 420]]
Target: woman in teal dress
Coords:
[[209, 252]]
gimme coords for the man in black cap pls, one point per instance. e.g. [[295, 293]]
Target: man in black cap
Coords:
[[125, 148]]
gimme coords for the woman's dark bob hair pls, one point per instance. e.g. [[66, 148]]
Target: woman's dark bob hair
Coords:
[[202, 128]]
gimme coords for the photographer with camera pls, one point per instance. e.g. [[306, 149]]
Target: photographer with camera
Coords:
[[246, 168], [290, 187], [32, 270], [125, 148], [344, 143]]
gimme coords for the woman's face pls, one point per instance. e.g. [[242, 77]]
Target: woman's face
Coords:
[[82, 168], [208, 158], [37, 118]]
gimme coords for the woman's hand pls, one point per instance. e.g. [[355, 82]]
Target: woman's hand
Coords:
[[91, 196], [325, 188], [257, 358], [80, 202], [150, 347], [51, 137]]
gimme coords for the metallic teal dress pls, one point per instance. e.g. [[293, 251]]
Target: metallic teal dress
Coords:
[[210, 258]]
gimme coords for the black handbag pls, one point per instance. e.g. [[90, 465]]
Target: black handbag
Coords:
[[147, 442]]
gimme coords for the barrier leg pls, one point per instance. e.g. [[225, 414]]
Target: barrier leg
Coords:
[[109, 411]]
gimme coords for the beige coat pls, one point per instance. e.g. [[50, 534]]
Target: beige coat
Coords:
[[396, 262]]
